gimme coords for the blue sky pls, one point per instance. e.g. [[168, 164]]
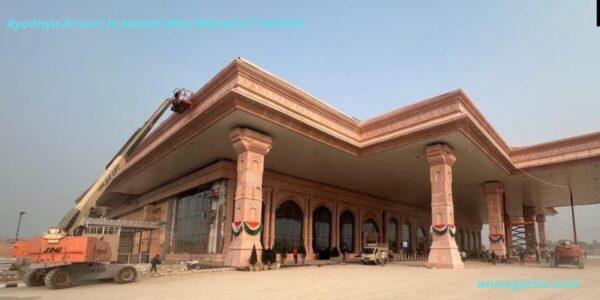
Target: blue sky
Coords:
[[69, 98]]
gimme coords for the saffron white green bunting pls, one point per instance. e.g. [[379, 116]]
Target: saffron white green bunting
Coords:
[[236, 227]]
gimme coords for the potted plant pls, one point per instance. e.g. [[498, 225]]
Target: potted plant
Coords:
[[253, 258], [302, 251], [335, 253]]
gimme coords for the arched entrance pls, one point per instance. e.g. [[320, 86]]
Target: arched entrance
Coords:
[[370, 232], [406, 238], [288, 225], [392, 235], [321, 229], [347, 231]]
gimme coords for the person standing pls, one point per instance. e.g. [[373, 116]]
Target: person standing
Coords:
[[154, 262], [295, 254], [493, 258], [344, 250]]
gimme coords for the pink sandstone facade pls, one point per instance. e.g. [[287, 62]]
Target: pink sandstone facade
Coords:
[[256, 150]]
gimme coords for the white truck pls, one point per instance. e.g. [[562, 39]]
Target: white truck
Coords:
[[375, 254]]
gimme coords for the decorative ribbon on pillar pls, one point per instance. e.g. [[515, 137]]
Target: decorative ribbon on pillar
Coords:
[[236, 227], [452, 230], [441, 229], [496, 237], [253, 228]]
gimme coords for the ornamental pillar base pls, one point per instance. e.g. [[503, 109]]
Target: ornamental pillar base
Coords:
[[444, 254], [241, 249]]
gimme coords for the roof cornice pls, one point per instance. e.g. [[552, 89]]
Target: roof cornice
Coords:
[[245, 86]]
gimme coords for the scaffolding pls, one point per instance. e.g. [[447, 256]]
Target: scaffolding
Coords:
[[519, 237]]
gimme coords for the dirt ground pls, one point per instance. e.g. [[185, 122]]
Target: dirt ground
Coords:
[[351, 281]]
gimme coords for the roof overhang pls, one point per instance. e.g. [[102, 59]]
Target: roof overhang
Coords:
[[308, 133]]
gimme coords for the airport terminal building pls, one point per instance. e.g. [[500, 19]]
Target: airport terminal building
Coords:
[[257, 161]]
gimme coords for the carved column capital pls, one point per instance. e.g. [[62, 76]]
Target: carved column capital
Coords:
[[493, 188], [248, 140], [438, 154]]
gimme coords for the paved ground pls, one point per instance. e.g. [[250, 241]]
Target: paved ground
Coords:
[[352, 281]]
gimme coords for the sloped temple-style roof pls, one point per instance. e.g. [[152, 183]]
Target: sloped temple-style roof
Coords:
[[381, 156]]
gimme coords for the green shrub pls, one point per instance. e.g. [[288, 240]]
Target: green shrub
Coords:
[[253, 256]]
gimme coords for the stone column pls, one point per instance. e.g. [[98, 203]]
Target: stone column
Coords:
[[307, 231], [272, 215], [541, 221], [444, 252], [508, 230], [267, 219], [251, 148], [494, 195], [530, 236], [358, 218], [335, 227], [413, 236]]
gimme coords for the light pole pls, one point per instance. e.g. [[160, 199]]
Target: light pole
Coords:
[[19, 225]]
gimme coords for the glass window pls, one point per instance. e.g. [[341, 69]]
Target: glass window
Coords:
[[406, 237], [288, 225], [370, 226], [347, 231], [392, 235], [321, 229], [193, 222]]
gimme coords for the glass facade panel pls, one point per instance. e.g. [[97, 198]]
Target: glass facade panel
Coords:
[[347, 231], [288, 225], [193, 222], [392, 230], [321, 229], [406, 238], [369, 226]]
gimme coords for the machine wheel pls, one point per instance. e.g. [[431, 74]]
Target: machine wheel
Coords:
[[34, 277], [580, 262], [58, 279], [126, 275]]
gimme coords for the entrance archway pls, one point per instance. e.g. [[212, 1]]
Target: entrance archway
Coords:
[[370, 232], [321, 229], [392, 235], [406, 238], [288, 225], [347, 231]]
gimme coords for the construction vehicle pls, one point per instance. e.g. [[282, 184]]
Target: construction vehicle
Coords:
[[61, 256], [566, 253], [374, 253]]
